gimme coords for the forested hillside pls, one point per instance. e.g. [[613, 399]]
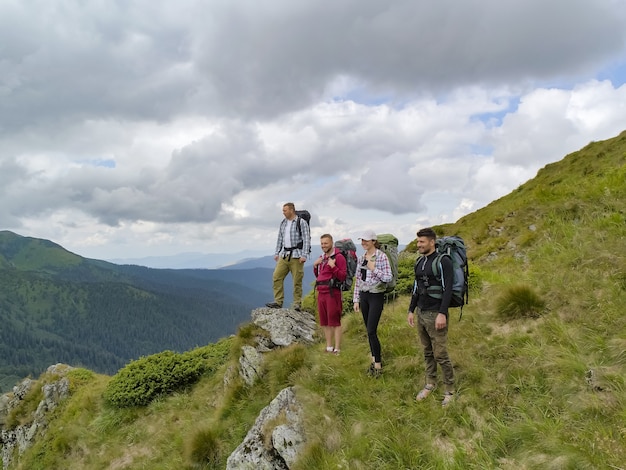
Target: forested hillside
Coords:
[[56, 306]]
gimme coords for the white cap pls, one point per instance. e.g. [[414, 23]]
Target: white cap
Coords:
[[368, 235]]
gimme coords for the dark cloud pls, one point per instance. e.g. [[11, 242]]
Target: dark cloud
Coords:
[[283, 57], [145, 60], [75, 60]]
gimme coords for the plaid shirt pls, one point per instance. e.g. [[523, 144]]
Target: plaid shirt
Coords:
[[295, 239], [374, 280]]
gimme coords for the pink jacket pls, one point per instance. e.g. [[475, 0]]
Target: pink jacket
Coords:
[[324, 273]]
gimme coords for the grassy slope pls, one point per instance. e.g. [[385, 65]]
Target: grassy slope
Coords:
[[524, 401]]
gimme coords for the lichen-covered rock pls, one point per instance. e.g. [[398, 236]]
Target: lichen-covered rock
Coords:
[[288, 441], [281, 421], [286, 326], [251, 363]]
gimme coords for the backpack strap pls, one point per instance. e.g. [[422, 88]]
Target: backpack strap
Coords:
[[300, 245], [438, 268], [435, 291]]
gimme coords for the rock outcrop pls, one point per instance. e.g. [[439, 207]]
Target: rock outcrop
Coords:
[[21, 437], [277, 435], [284, 327], [287, 437]]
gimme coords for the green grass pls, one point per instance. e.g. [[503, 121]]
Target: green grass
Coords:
[[534, 391], [523, 402]]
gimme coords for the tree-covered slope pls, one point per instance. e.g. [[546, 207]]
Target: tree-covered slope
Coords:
[[56, 306]]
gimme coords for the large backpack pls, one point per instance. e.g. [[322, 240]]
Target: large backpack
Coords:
[[454, 247], [389, 246], [348, 250], [306, 216]]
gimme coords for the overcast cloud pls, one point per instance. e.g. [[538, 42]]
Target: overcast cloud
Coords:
[[143, 128]]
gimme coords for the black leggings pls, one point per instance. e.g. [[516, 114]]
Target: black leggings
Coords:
[[371, 306]]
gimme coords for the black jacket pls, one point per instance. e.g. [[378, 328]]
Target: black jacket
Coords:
[[424, 278]]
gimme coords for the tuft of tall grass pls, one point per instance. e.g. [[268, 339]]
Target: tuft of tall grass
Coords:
[[204, 450], [284, 366], [519, 301]]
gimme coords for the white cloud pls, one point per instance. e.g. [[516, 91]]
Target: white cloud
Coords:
[[130, 129]]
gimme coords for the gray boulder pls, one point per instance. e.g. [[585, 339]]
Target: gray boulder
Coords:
[[251, 364], [286, 326], [276, 438]]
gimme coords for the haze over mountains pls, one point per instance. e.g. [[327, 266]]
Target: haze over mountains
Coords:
[[240, 260], [193, 260]]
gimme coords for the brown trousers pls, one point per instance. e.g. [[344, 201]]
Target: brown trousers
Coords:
[[435, 343]]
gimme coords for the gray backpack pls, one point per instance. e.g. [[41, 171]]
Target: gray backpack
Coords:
[[389, 246]]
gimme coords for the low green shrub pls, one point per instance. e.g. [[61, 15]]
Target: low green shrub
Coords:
[[475, 279], [79, 377], [406, 272], [147, 378], [519, 301]]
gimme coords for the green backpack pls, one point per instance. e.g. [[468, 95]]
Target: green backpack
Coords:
[[389, 246]]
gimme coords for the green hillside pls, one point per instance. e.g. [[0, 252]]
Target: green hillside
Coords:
[[56, 306], [540, 359]]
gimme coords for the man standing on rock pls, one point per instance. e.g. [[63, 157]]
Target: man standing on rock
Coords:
[[292, 247], [330, 271]]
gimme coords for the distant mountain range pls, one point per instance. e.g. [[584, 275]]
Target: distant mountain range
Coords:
[[240, 260], [192, 260], [246, 259], [56, 306]]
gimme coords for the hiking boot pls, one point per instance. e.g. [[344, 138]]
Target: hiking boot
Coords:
[[273, 305], [423, 394], [447, 399], [297, 308], [374, 372]]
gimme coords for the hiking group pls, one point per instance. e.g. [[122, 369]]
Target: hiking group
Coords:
[[440, 283]]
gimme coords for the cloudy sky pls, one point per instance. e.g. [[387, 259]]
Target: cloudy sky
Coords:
[[153, 127]]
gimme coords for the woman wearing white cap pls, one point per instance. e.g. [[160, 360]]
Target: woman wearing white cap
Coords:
[[369, 293]]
